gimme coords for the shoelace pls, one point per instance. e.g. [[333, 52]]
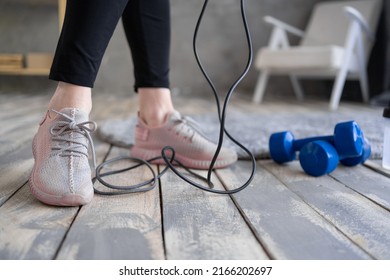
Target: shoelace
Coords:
[[67, 146]]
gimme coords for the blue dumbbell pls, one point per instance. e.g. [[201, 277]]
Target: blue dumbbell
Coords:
[[347, 139], [318, 158], [352, 161]]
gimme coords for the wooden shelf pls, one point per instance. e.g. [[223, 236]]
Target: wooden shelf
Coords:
[[30, 64], [26, 72]]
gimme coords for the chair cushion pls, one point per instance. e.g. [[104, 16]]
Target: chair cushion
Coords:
[[302, 58]]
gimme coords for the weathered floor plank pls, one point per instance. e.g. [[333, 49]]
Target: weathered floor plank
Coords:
[[30, 229], [19, 130], [376, 165], [286, 225], [118, 227], [366, 182], [15, 168], [202, 225], [363, 221], [16, 133]]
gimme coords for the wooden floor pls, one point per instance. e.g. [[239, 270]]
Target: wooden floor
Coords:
[[283, 214]]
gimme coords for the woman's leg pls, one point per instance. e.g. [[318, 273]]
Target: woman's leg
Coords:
[[61, 174], [69, 95], [147, 28], [87, 29]]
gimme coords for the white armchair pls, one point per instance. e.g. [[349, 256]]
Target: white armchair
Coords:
[[336, 44]]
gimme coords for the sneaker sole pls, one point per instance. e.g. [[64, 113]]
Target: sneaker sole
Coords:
[[66, 200]]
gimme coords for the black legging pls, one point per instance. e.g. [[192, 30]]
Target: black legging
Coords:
[[88, 27]]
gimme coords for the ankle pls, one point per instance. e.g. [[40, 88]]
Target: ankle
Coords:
[[155, 104], [154, 118], [71, 96]]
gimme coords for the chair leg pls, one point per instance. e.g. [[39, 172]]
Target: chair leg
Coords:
[[364, 86], [362, 70], [338, 88], [260, 87], [350, 42], [297, 88]]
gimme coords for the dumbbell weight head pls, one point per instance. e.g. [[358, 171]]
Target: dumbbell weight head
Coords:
[[352, 161], [348, 139], [281, 147], [318, 158]]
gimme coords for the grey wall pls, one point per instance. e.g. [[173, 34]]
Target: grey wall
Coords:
[[27, 25]]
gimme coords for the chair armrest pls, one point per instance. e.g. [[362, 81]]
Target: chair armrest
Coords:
[[285, 26], [356, 16]]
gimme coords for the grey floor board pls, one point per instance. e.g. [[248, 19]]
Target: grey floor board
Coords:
[[287, 227], [366, 182], [15, 168], [31, 230], [376, 165], [202, 225], [362, 220], [17, 133], [19, 121]]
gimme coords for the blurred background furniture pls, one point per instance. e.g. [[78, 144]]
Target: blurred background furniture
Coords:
[[34, 64], [335, 45]]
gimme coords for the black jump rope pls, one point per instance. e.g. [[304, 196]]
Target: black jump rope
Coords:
[[170, 160]]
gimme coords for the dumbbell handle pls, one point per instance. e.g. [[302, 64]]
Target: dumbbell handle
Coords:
[[344, 147], [299, 143]]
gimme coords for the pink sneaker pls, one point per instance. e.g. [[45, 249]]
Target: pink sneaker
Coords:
[[191, 148], [61, 174]]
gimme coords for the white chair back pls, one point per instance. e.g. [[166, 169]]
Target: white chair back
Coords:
[[328, 24]]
